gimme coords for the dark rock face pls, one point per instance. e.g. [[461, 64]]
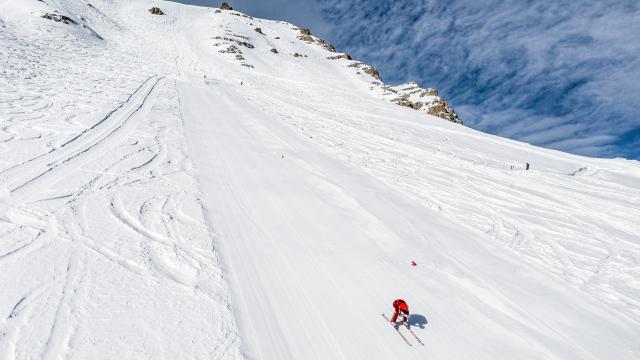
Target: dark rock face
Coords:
[[274, 51], [156, 11], [225, 6], [304, 31], [259, 30], [59, 18]]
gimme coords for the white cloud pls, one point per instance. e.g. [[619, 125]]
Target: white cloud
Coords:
[[563, 70]]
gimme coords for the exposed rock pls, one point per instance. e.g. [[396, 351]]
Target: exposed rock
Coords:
[[218, 11], [241, 43], [304, 31], [326, 45], [441, 109], [414, 96], [247, 65], [341, 56], [430, 92], [373, 72], [296, 55], [259, 30], [231, 50], [239, 57], [306, 38], [225, 6], [274, 51], [245, 44], [156, 11], [59, 18]]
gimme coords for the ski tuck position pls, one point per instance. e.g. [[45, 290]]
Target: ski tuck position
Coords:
[[400, 307]]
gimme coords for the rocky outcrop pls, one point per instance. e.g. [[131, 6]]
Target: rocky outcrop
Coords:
[[273, 50], [370, 70], [326, 45], [59, 18], [410, 95], [305, 35], [156, 11], [225, 6], [258, 30], [239, 42], [413, 96], [441, 109]]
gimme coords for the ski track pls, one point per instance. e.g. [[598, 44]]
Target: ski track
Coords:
[[80, 143], [153, 207]]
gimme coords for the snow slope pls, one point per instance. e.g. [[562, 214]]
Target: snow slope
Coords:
[[152, 207]]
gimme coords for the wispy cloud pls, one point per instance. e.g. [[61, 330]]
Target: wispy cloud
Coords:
[[560, 74]]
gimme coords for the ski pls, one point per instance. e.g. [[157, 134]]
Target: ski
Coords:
[[397, 329], [414, 335]]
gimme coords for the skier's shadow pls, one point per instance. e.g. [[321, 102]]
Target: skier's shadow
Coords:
[[417, 320]]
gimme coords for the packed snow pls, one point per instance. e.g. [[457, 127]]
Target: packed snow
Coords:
[[172, 188]]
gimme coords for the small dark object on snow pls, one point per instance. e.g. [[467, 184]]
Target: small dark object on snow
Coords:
[[274, 51], [156, 11], [259, 30], [304, 31], [225, 6], [527, 167]]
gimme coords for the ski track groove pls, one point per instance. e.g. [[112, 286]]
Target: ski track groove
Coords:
[[133, 104]]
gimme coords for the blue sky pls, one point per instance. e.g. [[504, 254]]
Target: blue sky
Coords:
[[559, 74]]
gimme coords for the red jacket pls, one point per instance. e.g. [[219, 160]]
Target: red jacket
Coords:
[[398, 306]]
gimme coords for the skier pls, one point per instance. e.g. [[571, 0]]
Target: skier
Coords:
[[399, 306]]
